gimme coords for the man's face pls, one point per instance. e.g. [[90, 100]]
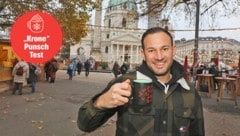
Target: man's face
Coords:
[[158, 53]]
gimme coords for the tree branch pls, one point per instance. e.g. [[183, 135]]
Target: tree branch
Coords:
[[210, 6]]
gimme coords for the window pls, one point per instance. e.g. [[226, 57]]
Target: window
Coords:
[[109, 23], [125, 5], [166, 27], [124, 22], [106, 49]]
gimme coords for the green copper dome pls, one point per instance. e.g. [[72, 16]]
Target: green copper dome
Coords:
[[122, 4]]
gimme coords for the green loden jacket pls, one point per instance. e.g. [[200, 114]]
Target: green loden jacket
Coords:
[[175, 113]]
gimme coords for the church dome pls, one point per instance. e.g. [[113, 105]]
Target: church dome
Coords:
[[122, 4]]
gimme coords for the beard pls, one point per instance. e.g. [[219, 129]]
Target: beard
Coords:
[[160, 73]]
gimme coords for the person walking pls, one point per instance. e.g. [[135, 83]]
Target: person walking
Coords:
[[213, 70], [46, 70], [70, 70], [32, 76], [124, 68], [74, 67], [79, 67], [52, 69], [176, 108], [116, 69], [87, 66], [20, 73]]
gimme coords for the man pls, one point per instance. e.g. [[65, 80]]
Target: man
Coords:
[[124, 68], [70, 70], [116, 69], [52, 70], [176, 106], [79, 67], [87, 66], [20, 73], [46, 68], [32, 76]]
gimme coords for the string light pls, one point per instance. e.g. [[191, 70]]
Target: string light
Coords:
[[175, 30]]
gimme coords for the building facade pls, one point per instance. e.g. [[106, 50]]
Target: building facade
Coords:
[[227, 50], [117, 40]]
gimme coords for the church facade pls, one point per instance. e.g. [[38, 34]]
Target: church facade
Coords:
[[119, 38]]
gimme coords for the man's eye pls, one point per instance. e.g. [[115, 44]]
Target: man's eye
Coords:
[[165, 49], [150, 50]]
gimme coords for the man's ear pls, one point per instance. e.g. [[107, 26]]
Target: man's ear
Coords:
[[174, 49], [142, 54]]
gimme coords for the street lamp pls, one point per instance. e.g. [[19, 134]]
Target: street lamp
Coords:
[[195, 56]]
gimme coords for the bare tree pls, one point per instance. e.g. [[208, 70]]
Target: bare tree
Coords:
[[187, 8]]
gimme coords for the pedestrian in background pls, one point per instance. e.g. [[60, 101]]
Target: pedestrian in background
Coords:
[[32, 76], [79, 67], [87, 67], [20, 74], [116, 69], [124, 68], [74, 67], [176, 107], [52, 69], [213, 70], [46, 70], [70, 70]]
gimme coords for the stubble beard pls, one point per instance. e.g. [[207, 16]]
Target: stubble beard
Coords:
[[164, 73]]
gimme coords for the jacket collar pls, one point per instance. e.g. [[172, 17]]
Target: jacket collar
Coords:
[[177, 72]]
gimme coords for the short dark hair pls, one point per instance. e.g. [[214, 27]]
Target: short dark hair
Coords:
[[155, 30]]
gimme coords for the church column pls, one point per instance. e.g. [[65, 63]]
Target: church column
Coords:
[[117, 57], [111, 54], [137, 54], [131, 54], [123, 52]]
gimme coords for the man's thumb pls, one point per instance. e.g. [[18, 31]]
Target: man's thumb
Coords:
[[127, 81]]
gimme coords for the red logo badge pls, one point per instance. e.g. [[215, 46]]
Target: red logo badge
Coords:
[[36, 36]]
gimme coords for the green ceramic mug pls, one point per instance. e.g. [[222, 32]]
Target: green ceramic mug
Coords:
[[142, 95]]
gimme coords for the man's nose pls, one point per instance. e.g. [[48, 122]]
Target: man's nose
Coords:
[[159, 55]]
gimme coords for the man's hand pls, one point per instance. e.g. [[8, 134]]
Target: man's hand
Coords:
[[116, 96]]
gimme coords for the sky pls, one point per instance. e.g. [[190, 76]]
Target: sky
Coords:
[[179, 23], [221, 23]]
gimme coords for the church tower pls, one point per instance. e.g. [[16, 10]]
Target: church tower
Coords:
[[118, 14], [96, 33], [115, 40], [152, 18]]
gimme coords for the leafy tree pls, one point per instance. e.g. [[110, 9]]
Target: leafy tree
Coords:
[[72, 15]]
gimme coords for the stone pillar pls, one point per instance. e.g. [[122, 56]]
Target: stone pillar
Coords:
[[117, 52], [131, 54], [123, 52], [97, 30], [111, 52], [137, 56]]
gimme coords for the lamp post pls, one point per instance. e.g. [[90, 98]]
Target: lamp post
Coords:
[[195, 56], [238, 62]]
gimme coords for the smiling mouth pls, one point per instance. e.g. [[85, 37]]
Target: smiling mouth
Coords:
[[159, 65]]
